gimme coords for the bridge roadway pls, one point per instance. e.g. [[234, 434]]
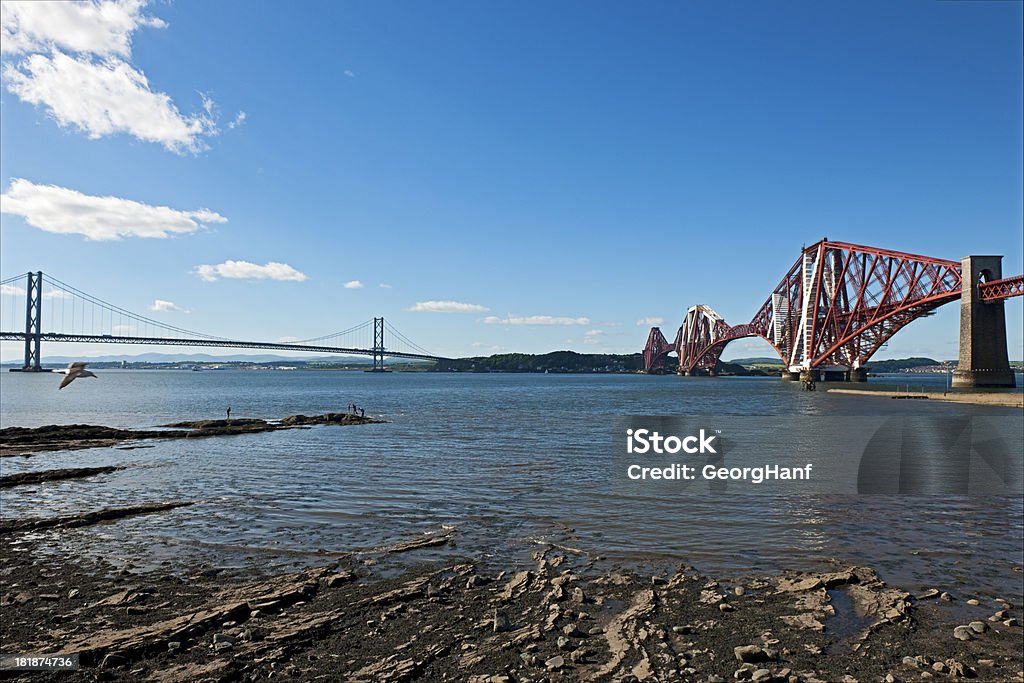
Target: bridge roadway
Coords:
[[221, 343]]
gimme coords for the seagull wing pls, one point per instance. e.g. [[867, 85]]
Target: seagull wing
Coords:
[[68, 379], [79, 364]]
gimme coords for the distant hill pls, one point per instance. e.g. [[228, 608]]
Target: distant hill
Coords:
[[898, 364], [568, 362], [556, 361], [764, 360]]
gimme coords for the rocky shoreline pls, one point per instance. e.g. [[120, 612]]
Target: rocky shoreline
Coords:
[[25, 441], [556, 620]]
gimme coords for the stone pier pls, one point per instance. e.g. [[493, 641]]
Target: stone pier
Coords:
[[983, 357]]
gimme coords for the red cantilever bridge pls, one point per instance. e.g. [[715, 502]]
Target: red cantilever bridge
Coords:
[[841, 302]]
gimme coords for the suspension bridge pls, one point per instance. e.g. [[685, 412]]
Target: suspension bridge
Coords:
[[54, 311], [839, 303]]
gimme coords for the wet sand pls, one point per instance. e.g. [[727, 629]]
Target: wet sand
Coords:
[[1009, 400]]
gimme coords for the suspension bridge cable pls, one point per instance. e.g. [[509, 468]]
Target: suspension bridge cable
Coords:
[[335, 334], [54, 282], [406, 340]]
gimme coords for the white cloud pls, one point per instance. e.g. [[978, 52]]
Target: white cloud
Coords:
[[353, 284], [103, 28], [11, 290], [104, 98], [243, 270], [447, 307], [349, 73], [287, 340], [77, 66], [384, 285], [653, 320], [493, 349], [56, 294], [122, 329], [164, 306], [239, 120], [593, 336], [534, 320], [69, 212]]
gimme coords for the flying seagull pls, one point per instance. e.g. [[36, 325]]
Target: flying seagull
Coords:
[[74, 371]]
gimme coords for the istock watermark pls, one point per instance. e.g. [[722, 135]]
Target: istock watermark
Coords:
[[907, 454]]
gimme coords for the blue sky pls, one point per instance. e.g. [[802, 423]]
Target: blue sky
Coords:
[[580, 164]]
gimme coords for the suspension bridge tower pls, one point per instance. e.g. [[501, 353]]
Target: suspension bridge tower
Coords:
[[33, 322]]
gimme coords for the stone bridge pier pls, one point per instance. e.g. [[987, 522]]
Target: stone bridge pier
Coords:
[[983, 358]]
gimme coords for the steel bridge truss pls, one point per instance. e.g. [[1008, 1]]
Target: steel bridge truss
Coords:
[[837, 305]]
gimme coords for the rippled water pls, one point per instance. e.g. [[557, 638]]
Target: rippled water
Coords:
[[507, 459]]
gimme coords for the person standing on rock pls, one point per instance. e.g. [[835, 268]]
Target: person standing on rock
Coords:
[[229, 413]]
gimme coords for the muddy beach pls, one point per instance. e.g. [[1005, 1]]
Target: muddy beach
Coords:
[[564, 615]]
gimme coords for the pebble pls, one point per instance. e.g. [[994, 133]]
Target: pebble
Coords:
[[940, 667], [73, 593], [682, 629], [220, 647], [224, 638], [173, 645], [725, 607], [715, 678], [564, 643], [761, 675], [973, 602], [962, 633], [1010, 622], [978, 626], [750, 653], [555, 663], [501, 621], [739, 590], [946, 596], [889, 678]]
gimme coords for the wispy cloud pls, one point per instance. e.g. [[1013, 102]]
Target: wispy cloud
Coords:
[[384, 285], [653, 320], [534, 320], [161, 305], [65, 211], [349, 73], [446, 307], [238, 120], [353, 284], [77, 67], [244, 270], [593, 336]]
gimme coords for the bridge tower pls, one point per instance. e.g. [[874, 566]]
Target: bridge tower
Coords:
[[378, 345], [983, 357], [33, 321]]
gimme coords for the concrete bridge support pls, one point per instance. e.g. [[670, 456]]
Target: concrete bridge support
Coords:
[[983, 357], [857, 375]]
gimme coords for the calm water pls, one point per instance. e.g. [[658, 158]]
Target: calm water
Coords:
[[507, 459]]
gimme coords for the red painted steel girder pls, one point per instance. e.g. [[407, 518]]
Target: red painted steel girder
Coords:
[[857, 298], [837, 305], [655, 351], [996, 290]]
